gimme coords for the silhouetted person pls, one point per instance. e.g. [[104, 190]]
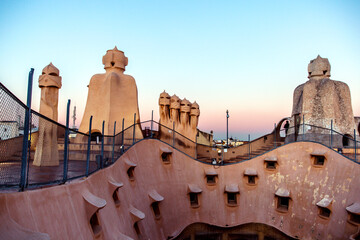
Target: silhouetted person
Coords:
[[286, 126]]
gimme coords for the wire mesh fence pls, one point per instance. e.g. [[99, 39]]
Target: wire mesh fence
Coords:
[[55, 153], [12, 116]]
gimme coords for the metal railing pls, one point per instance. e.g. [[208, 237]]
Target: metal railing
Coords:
[[79, 154]]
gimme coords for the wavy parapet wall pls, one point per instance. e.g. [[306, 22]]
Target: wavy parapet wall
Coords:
[[309, 192]]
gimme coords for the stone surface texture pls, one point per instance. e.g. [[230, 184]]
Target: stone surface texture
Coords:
[[46, 153], [112, 96], [320, 100]]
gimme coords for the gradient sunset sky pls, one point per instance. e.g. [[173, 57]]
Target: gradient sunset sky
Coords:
[[244, 56]]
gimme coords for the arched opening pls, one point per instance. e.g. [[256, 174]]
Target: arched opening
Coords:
[[96, 137], [346, 140], [281, 131]]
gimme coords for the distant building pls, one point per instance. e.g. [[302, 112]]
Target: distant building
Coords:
[[205, 138], [9, 129], [233, 142]]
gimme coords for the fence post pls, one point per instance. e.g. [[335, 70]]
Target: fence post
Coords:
[[196, 146], [29, 152], [88, 150], [174, 134], [102, 144], [355, 143], [134, 128], [249, 145], [113, 145], [222, 154], [152, 120], [26, 132], [66, 142], [331, 135], [122, 136], [303, 127], [274, 135]]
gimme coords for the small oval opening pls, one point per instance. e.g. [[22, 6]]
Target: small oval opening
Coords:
[[95, 225], [130, 173], [137, 229], [156, 209], [116, 197]]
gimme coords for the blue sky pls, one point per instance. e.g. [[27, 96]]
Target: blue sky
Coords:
[[245, 56]]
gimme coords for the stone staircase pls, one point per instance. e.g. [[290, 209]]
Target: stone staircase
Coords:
[[239, 158], [257, 152]]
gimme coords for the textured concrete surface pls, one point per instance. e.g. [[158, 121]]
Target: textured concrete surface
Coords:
[[320, 101]]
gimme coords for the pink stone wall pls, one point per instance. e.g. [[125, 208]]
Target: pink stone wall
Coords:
[[64, 213]]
